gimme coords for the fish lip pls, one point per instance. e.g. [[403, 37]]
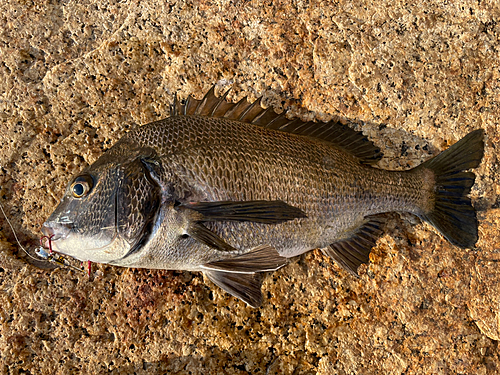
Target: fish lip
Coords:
[[56, 231]]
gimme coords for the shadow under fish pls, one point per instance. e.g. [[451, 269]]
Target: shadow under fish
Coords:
[[234, 190]]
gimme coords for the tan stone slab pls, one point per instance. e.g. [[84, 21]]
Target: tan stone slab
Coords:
[[76, 75]]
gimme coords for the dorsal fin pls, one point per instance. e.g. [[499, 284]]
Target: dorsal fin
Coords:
[[333, 132]]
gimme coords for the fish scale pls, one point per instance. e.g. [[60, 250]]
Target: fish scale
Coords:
[[233, 190], [336, 195]]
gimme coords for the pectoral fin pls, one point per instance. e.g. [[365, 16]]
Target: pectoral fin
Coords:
[[239, 275], [354, 251], [267, 212], [204, 235]]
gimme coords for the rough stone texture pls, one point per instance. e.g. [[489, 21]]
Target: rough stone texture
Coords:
[[416, 78]]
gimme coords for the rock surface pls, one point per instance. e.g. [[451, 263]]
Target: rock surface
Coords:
[[415, 78]]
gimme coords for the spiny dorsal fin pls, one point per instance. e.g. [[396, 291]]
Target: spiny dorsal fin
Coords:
[[334, 132], [354, 251]]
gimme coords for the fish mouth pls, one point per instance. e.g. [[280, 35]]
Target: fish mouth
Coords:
[[62, 238], [56, 231]]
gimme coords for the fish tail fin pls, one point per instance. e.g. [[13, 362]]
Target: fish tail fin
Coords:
[[452, 213]]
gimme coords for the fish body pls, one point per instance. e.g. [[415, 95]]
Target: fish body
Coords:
[[233, 190]]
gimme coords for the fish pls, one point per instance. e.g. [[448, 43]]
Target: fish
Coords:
[[234, 190]]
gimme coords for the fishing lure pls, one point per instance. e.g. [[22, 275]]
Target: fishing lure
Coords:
[[41, 251], [53, 257]]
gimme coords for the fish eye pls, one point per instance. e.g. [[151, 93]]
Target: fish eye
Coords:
[[82, 186]]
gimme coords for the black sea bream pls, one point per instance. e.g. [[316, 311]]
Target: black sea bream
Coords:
[[233, 190]]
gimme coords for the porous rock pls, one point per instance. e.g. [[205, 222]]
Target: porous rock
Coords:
[[414, 78]]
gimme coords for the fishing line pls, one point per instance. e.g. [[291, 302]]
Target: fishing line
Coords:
[[50, 257], [17, 239]]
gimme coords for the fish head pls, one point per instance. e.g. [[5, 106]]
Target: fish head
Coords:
[[108, 211]]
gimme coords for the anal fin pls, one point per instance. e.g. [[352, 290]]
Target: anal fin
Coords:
[[239, 276], [354, 251]]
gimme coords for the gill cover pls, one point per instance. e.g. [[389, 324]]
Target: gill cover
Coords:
[[137, 203], [109, 210]]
